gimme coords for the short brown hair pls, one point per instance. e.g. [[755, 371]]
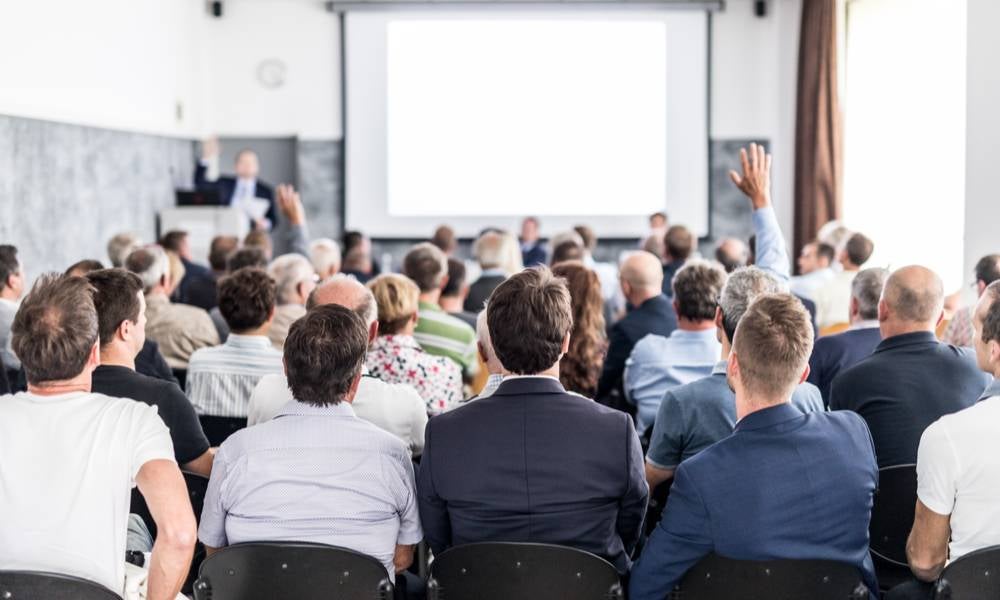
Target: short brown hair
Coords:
[[324, 353], [251, 256], [82, 267], [529, 316], [859, 249], [566, 251], [246, 299], [991, 320], [223, 246], [397, 298], [172, 240], [259, 239], [696, 287], [772, 345], [116, 298], [587, 235], [55, 328], [679, 242], [444, 238], [426, 265]]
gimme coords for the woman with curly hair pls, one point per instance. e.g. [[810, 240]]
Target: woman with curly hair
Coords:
[[580, 368]]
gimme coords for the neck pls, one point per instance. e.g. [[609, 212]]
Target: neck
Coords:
[[116, 355], [640, 297], [850, 267], [8, 294], [747, 405], [893, 328], [259, 331], [685, 324], [80, 383], [451, 304], [726, 346], [432, 297], [552, 371]]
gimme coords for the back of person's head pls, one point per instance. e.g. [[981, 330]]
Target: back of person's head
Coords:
[[643, 272], [444, 238], [986, 322], [772, 346], [120, 246], [358, 260], [176, 269], [988, 269], [740, 290], [696, 287], [833, 234], [55, 329], [456, 279], [223, 246], [488, 250], [82, 267], [259, 238], [247, 299], [512, 259], [116, 298], [151, 265], [588, 237], [483, 339], [248, 257], [324, 354], [529, 316], [562, 237], [858, 249], [913, 296], [654, 245], [866, 290], [732, 254], [353, 239], [294, 278], [325, 256], [398, 301], [174, 241], [9, 264], [567, 251], [585, 294], [679, 242], [427, 266], [346, 291], [825, 253]]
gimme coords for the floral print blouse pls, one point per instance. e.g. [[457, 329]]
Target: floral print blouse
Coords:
[[400, 359]]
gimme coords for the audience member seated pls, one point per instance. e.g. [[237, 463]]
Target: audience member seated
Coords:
[[444, 238], [455, 292], [320, 474], [784, 485], [835, 353], [239, 190], [959, 331], [488, 251], [607, 273], [958, 479], [580, 367], [260, 240], [533, 251], [641, 278], [121, 318], [566, 251], [11, 289], [120, 246], [657, 363], [204, 292], [220, 380], [398, 409], [251, 257], [680, 244], [694, 416], [358, 258], [911, 379], [179, 329], [438, 332], [532, 462], [655, 246], [833, 299], [72, 456], [325, 256], [81, 267], [195, 275], [291, 234], [815, 270], [396, 357], [295, 279], [732, 253], [489, 358]]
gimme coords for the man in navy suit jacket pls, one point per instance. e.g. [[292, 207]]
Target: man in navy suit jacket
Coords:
[[233, 189], [533, 462], [784, 485]]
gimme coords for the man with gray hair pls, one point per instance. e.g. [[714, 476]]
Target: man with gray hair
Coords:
[[179, 329], [120, 246], [489, 358], [325, 256], [488, 250], [835, 353], [398, 409], [295, 279]]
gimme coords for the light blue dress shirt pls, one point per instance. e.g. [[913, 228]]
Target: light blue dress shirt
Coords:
[[772, 255]]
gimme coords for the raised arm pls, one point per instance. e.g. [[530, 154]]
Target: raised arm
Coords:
[[209, 155], [292, 234], [162, 485], [755, 183]]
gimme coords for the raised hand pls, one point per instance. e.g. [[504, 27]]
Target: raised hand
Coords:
[[755, 181], [290, 205], [210, 148]]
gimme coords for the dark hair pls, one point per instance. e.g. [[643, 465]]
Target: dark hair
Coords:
[[444, 238], [116, 299], [82, 267], [826, 251], [991, 320], [660, 214], [426, 265], [679, 242], [324, 353], [246, 299], [587, 235], [9, 265], [696, 287], [250, 257], [988, 268], [529, 315], [172, 240], [55, 328], [223, 246], [566, 251], [859, 249], [580, 367], [259, 239], [352, 239], [456, 278]]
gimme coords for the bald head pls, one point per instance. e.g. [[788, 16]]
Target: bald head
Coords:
[[913, 297], [348, 292]]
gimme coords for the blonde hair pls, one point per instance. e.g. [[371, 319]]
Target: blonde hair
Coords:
[[176, 269], [398, 300]]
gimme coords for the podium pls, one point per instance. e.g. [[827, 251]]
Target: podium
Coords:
[[202, 223]]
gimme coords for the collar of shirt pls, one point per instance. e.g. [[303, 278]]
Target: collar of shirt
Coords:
[[513, 377], [428, 306], [493, 272], [494, 380], [301, 409], [720, 367], [906, 339], [702, 334], [993, 389], [237, 340], [866, 324], [766, 417]]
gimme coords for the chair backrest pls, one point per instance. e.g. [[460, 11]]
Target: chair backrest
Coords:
[[504, 570], [972, 577], [30, 585], [217, 429], [718, 578], [197, 485], [892, 513], [834, 329], [263, 571]]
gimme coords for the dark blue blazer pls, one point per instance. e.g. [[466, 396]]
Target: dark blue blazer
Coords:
[[198, 286], [226, 186], [836, 353], [655, 315], [910, 381], [669, 270], [535, 255], [783, 485], [533, 463]]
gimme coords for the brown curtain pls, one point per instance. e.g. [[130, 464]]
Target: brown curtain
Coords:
[[818, 159]]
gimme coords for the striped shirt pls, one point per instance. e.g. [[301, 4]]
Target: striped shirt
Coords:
[[441, 334], [220, 380]]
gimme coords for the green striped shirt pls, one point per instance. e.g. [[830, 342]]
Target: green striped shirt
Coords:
[[441, 334]]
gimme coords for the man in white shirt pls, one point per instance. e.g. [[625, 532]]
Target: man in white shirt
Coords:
[[72, 456], [815, 268], [958, 471], [833, 300], [395, 408], [11, 288]]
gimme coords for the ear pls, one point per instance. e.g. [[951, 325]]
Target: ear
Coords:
[[444, 281], [94, 358], [854, 307], [482, 353], [939, 319], [270, 315], [994, 351], [805, 373], [733, 367], [124, 330], [284, 366], [883, 311], [565, 344], [373, 331], [676, 310]]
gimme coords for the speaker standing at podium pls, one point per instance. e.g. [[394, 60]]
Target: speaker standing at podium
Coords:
[[241, 191]]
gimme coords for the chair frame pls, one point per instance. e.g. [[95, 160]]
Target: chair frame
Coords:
[[871, 544], [942, 588], [76, 588]]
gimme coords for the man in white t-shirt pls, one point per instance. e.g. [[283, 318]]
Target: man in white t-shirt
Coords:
[[71, 456], [958, 471]]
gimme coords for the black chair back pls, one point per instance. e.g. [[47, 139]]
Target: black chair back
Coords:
[[197, 485], [29, 585], [264, 571], [718, 578], [217, 429], [892, 513], [975, 576], [504, 570]]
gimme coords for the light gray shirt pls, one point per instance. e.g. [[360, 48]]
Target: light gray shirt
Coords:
[[8, 309]]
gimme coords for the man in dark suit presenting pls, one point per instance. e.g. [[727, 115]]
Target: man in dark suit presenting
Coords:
[[239, 190]]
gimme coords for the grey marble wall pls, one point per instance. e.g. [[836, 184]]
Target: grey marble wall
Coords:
[[321, 185], [66, 189]]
